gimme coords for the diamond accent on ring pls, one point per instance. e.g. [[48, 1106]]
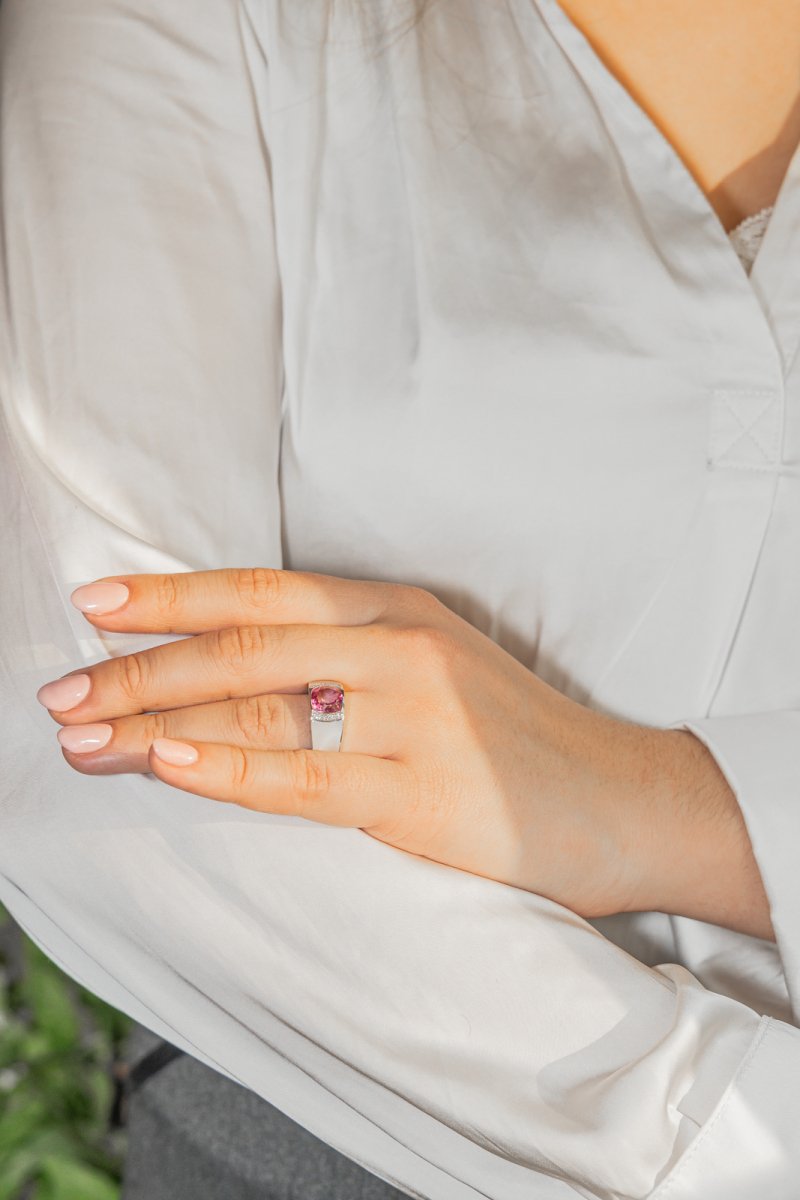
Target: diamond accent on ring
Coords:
[[316, 716]]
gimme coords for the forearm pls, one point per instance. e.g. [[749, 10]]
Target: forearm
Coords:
[[698, 858]]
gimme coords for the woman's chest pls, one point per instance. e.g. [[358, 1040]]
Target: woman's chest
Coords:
[[719, 79]]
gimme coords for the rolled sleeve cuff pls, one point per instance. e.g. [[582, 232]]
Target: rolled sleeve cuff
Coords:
[[749, 1146]]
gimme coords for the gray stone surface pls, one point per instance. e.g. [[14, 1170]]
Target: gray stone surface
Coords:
[[196, 1135]]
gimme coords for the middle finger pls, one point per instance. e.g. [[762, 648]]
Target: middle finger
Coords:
[[223, 664]]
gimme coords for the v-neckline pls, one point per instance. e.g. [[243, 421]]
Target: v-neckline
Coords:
[[772, 288]]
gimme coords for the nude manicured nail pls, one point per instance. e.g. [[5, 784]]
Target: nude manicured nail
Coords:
[[99, 598], [82, 739], [179, 754], [65, 693]]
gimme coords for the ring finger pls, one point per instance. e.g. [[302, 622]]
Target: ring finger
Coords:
[[270, 721]]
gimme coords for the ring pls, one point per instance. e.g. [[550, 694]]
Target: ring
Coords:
[[326, 700]]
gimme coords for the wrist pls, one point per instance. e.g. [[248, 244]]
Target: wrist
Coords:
[[697, 857]]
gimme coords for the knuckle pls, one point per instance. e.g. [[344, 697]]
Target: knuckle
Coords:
[[154, 725], [170, 591], [427, 645], [132, 676], [241, 770], [409, 601], [419, 599], [240, 646], [259, 587], [257, 719], [311, 775]]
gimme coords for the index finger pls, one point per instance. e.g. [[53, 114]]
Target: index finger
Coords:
[[199, 601]]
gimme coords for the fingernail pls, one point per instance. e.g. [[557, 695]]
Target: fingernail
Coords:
[[179, 754], [98, 598], [81, 739], [63, 694]]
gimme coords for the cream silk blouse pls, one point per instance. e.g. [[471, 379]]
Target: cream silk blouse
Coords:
[[447, 309]]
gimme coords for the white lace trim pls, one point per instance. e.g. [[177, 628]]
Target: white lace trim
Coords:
[[747, 235]]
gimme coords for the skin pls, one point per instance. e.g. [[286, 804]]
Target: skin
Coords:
[[451, 749], [719, 79]]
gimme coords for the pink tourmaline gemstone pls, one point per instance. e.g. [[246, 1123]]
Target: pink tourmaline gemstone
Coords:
[[326, 699]]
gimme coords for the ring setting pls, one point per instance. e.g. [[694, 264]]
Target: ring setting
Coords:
[[326, 702]]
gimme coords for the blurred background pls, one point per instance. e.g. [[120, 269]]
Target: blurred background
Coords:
[[62, 1116]]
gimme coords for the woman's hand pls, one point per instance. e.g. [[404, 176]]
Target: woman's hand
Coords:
[[451, 749]]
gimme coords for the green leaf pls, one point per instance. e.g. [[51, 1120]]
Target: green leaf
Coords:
[[24, 1165], [12, 1036], [19, 1125], [49, 996], [16, 1172], [61, 1041], [34, 1047], [65, 1179]]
